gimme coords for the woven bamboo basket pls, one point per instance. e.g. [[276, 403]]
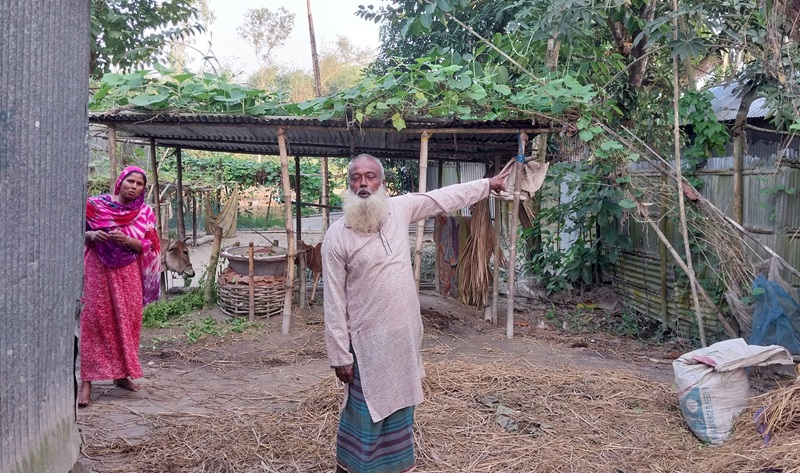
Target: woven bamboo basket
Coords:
[[233, 294]]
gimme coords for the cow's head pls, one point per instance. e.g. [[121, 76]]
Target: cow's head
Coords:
[[176, 258]]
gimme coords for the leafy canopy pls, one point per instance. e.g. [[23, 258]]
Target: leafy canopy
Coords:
[[129, 34]]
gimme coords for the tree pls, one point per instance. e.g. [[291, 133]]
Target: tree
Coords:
[[341, 67], [128, 34], [266, 30]]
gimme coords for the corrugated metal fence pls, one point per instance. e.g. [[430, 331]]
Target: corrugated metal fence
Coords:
[[771, 213], [44, 63]]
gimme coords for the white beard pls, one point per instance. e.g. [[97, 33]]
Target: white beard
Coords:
[[365, 215]]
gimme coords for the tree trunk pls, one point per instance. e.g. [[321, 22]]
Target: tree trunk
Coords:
[[739, 149]]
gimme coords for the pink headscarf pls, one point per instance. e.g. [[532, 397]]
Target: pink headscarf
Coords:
[[135, 220]]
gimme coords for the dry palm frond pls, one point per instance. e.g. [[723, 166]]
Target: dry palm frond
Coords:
[[474, 272]]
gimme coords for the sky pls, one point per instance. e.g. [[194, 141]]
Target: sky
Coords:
[[332, 18]]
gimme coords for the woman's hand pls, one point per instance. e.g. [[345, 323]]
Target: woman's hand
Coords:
[[96, 236], [120, 238]]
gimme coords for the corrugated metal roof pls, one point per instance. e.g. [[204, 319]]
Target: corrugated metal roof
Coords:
[[452, 139], [726, 103]]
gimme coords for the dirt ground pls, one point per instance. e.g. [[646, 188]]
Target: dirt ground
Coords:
[[260, 368], [209, 368]]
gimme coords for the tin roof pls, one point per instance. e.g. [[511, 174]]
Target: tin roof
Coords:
[[726, 103], [452, 139]]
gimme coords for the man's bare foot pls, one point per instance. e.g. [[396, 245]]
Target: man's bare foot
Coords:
[[85, 394], [126, 383]]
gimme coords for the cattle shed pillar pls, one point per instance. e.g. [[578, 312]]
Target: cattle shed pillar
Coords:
[[44, 46]]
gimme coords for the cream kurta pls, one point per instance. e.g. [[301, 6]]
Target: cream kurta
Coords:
[[371, 299]]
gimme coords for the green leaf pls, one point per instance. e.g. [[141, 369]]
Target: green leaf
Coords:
[[585, 135], [398, 122], [147, 100], [425, 20], [325, 114], [443, 5], [627, 203], [502, 89]]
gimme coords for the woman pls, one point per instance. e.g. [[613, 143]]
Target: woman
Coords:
[[121, 270]]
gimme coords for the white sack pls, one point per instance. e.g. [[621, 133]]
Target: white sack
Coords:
[[713, 387]]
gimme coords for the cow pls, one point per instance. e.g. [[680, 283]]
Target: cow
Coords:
[[314, 263], [175, 257]]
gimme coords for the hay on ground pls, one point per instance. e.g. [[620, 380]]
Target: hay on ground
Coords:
[[476, 417], [777, 449]]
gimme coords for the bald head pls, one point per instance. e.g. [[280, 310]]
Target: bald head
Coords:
[[365, 157], [365, 175]]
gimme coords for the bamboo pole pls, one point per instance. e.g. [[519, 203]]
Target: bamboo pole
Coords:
[[212, 265], [154, 185], [194, 219], [179, 191], [269, 206], [318, 93], [112, 157], [162, 280], [662, 252], [512, 254], [437, 237], [496, 270], [676, 96], [326, 214], [423, 185], [298, 201], [251, 286], [287, 199]]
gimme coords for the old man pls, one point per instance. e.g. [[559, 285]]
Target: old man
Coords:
[[373, 327]]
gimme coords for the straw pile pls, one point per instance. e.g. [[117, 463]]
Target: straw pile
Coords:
[[477, 418], [763, 441]]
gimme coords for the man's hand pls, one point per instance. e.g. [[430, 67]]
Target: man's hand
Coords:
[[345, 373], [498, 182]]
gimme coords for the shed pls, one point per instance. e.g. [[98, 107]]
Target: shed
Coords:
[[449, 139]]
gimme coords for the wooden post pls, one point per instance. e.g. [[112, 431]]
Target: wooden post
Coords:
[[512, 253], [212, 265], [301, 262], [326, 201], [251, 285], [423, 185], [437, 234], [298, 198], [194, 219], [112, 158], [496, 270], [287, 199], [162, 280], [179, 191], [269, 206], [155, 185]]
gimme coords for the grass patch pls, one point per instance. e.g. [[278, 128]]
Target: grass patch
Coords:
[[160, 314], [199, 329]]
